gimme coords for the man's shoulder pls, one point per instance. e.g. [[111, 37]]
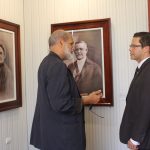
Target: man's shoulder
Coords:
[[51, 59], [50, 62]]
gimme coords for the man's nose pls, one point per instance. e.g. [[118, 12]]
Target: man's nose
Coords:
[[73, 49], [130, 49]]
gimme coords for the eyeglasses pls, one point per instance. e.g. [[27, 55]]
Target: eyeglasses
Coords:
[[134, 46]]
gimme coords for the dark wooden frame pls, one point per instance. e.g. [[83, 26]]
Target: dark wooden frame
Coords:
[[89, 24], [16, 30], [149, 14]]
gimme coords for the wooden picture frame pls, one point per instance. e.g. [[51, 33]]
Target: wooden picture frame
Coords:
[[10, 66], [148, 14], [97, 35]]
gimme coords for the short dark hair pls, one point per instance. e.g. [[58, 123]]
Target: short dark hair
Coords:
[[144, 38]]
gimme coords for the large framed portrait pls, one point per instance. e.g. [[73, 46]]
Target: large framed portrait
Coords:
[[91, 63], [10, 66]]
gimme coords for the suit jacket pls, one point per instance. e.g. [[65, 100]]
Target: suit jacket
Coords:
[[90, 78], [136, 119], [58, 122]]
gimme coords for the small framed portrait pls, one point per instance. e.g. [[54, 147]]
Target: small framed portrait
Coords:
[[91, 62], [10, 67]]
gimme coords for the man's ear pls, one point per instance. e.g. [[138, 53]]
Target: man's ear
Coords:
[[147, 49], [61, 43]]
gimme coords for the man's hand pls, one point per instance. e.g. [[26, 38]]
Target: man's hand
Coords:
[[92, 98], [132, 146]]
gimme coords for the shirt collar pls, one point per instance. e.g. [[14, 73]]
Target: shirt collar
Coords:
[[81, 63], [141, 62], [53, 53]]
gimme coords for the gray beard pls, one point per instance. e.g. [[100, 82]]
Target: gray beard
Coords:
[[68, 54], [3, 77]]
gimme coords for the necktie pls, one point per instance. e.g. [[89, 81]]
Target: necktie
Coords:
[[77, 73], [136, 71]]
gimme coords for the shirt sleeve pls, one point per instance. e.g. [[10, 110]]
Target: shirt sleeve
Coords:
[[134, 142]]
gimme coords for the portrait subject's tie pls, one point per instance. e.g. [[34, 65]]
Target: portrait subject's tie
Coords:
[[77, 73]]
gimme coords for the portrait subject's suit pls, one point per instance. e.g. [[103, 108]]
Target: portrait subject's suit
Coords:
[[6, 82], [58, 121], [90, 78], [136, 119]]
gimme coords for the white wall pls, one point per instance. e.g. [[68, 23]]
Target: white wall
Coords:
[[13, 123], [35, 17], [127, 17]]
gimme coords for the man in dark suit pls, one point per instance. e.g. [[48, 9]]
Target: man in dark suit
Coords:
[[87, 73], [58, 122], [135, 125]]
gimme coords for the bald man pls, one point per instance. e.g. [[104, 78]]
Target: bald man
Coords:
[[58, 120]]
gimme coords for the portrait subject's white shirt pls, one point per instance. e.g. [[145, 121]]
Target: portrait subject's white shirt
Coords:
[[80, 64]]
